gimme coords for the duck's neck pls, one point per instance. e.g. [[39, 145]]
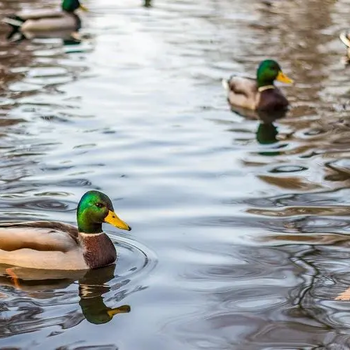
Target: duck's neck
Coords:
[[98, 249], [85, 226], [86, 222], [266, 87], [264, 82]]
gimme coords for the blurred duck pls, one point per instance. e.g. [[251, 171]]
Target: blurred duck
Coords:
[[345, 39], [34, 23], [59, 246], [260, 93]]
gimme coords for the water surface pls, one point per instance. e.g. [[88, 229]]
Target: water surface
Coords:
[[240, 230]]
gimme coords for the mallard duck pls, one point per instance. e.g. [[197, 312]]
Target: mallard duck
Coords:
[[59, 246], [32, 23], [260, 93]]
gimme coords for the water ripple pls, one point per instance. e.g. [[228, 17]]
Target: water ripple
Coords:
[[248, 221]]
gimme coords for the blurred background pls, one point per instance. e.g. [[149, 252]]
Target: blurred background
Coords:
[[240, 228]]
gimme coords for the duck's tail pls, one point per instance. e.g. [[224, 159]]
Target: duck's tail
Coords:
[[16, 23], [345, 39], [225, 84]]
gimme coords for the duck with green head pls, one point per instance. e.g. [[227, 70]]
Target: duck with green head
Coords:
[[59, 246], [260, 93], [45, 22]]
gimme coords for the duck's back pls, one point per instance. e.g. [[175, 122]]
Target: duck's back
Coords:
[[242, 92], [41, 245], [38, 235], [40, 13]]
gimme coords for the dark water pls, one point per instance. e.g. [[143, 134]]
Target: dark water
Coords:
[[240, 231]]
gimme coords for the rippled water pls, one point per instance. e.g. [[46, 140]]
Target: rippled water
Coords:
[[240, 230]]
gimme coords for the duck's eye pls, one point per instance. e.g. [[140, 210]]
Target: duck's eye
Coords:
[[99, 205]]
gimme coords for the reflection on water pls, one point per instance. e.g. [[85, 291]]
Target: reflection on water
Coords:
[[267, 131], [247, 215], [92, 285], [148, 3], [62, 300]]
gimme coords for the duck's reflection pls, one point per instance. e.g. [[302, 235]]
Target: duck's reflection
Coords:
[[267, 132], [92, 286], [147, 3], [66, 36]]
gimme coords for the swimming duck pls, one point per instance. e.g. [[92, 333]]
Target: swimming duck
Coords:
[[260, 93], [32, 23], [59, 246]]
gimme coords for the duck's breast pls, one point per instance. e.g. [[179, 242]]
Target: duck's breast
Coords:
[[272, 100]]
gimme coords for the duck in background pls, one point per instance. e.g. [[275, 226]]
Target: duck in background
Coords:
[[345, 39], [260, 93], [46, 22]]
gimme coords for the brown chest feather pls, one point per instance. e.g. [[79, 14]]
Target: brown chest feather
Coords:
[[98, 250], [272, 100]]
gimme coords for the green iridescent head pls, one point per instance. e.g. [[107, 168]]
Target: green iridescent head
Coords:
[[70, 5], [269, 71], [94, 209]]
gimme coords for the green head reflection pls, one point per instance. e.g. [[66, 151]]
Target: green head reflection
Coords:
[[266, 134], [95, 310], [93, 285]]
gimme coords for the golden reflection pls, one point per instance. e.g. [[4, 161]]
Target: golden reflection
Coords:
[[344, 295], [92, 286], [290, 182]]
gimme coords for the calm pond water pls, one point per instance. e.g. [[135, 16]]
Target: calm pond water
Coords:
[[240, 231]]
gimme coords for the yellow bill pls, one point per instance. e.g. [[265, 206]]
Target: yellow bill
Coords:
[[113, 219], [83, 8], [283, 78], [119, 310]]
